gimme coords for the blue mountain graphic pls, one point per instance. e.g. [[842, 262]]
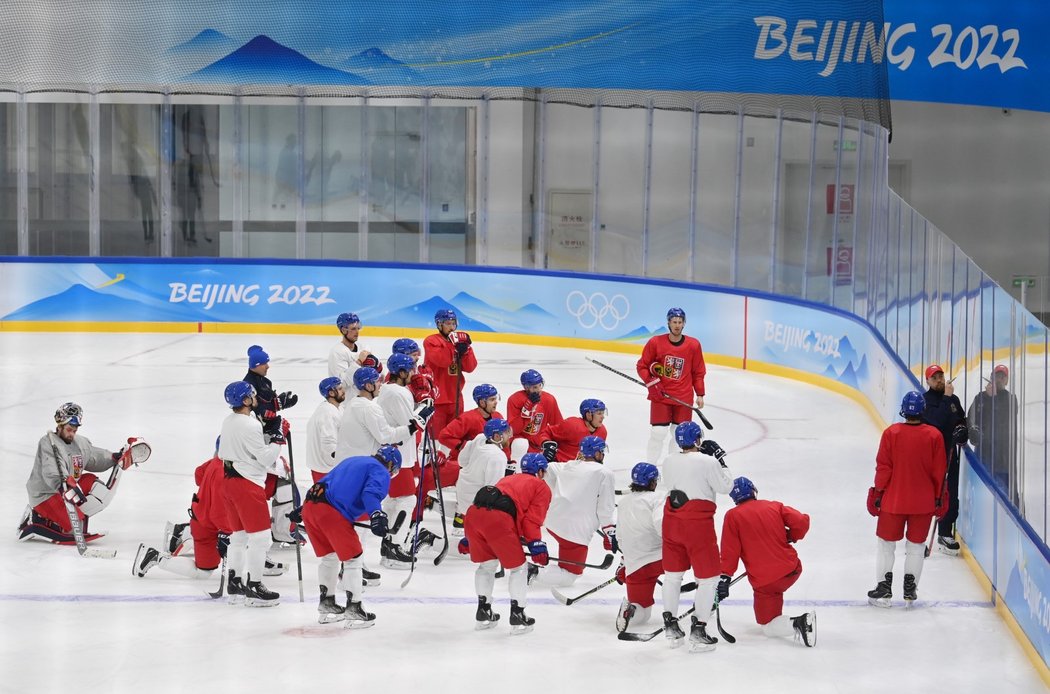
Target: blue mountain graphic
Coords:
[[846, 350], [639, 332], [263, 60], [207, 41], [380, 67], [421, 315], [371, 58], [83, 303], [534, 311]]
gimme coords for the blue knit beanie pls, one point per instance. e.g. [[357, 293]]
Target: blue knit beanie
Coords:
[[257, 356]]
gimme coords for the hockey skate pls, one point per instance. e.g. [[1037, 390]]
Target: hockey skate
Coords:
[[327, 609], [806, 628], [235, 589], [258, 595], [880, 596], [624, 616], [393, 557], [145, 559], [910, 590], [273, 568], [946, 544], [371, 579], [457, 525], [699, 640], [485, 617], [520, 623], [173, 537], [672, 631], [425, 540], [355, 615]]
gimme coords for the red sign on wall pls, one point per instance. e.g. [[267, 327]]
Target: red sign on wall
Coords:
[[845, 198]]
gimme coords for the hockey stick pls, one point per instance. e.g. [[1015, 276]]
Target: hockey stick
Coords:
[[661, 391], [222, 581], [729, 638], [74, 516], [441, 501], [564, 600], [298, 549], [418, 510], [606, 563], [634, 636], [940, 492], [393, 529]]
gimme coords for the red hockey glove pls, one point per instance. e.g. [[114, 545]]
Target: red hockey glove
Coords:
[[538, 551], [286, 428], [464, 546], [874, 501]]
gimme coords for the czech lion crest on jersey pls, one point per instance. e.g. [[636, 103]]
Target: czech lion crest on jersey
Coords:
[[674, 367]]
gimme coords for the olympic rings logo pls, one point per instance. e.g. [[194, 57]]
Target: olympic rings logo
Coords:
[[597, 309]]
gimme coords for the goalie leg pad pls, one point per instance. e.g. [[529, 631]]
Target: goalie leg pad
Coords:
[[281, 506], [99, 496]]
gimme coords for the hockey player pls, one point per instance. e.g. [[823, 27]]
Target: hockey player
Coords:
[[247, 458], [422, 382], [676, 362], [909, 476], [355, 487], [639, 530], [583, 500], [363, 427], [502, 517], [483, 461], [268, 404], [322, 431], [62, 480], [398, 407], [760, 533], [448, 355], [347, 356], [565, 436], [531, 411], [945, 413], [458, 433], [195, 549], [693, 478]]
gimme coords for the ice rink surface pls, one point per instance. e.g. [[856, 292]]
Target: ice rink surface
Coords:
[[88, 625]]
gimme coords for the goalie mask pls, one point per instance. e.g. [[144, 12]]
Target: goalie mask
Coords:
[[69, 413]]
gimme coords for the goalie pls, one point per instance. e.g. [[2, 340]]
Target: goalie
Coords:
[[62, 481]]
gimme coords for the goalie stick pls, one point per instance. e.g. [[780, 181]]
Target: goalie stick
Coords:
[[441, 500], [636, 636], [298, 549], [659, 390], [418, 509], [606, 563], [74, 516]]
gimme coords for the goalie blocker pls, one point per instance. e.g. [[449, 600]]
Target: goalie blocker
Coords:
[[66, 480]]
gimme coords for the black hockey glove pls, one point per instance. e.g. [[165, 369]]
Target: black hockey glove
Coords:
[[462, 347], [960, 434], [723, 588], [222, 544], [287, 399], [296, 516], [378, 523], [550, 450], [711, 447]]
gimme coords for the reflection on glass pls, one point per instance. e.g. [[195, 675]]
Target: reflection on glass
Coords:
[[195, 179], [130, 167], [333, 179], [59, 178], [8, 180]]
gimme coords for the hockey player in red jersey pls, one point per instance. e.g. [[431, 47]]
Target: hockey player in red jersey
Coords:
[[760, 533], [503, 517], [693, 477], [909, 490], [676, 362], [448, 354], [565, 436], [531, 411]]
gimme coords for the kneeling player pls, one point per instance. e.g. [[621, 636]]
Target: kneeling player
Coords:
[[61, 486], [639, 530], [501, 518], [355, 487]]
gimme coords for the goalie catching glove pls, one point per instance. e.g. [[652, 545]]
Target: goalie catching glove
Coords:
[[135, 451]]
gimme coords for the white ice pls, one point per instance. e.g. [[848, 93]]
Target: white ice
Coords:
[[88, 625]]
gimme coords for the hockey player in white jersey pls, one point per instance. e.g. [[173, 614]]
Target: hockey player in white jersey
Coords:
[[247, 458], [482, 462], [693, 478], [363, 427], [639, 523], [322, 431], [347, 356], [399, 407], [583, 501]]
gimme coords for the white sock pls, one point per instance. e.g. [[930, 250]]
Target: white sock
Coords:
[[672, 591]]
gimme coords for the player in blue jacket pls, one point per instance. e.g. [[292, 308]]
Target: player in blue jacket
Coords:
[[354, 488]]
